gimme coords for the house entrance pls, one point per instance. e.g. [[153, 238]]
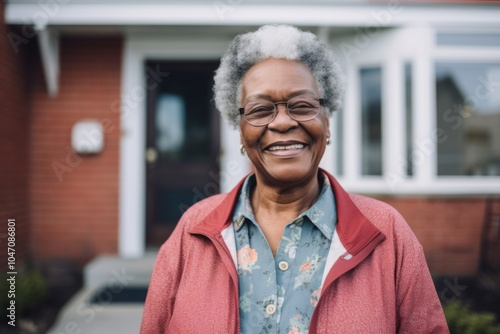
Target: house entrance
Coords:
[[182, 144]]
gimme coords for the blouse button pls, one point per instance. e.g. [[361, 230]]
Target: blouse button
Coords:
[[270, 309], [283, 265]]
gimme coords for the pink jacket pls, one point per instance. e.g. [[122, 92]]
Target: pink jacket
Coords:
[[376, 278]]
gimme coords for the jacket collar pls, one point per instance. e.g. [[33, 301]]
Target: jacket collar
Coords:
[[354, 229], [219, 218]]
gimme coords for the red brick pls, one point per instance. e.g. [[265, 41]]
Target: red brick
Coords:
[[449, 229], [77, 218], [14, 144]]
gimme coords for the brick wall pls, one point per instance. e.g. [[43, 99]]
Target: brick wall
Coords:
[[449, 229], [74, 199], [14, 136], [490, 261]]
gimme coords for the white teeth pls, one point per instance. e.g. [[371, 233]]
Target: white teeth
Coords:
[[288, 147]]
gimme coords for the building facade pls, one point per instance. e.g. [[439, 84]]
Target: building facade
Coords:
[[420, 126]]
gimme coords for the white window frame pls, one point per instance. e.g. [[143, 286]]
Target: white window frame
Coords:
[[391, 51]]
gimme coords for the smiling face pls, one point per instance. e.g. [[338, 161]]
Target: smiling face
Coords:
[[285, 151]]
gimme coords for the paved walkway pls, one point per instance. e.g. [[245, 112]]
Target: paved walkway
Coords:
[[104, 316]]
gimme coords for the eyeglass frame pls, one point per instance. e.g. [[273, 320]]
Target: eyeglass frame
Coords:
[[320, 100]]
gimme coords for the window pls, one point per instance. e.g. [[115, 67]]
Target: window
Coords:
[[468, 117], [371, 120], [422, 113]]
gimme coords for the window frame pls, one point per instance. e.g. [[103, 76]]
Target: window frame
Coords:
[[422, 55]]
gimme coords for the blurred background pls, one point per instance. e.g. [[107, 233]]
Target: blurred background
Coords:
[[108, 133]]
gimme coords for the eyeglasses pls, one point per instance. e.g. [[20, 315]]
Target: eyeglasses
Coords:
[[301, 108]]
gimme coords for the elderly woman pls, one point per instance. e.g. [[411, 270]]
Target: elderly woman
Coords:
[[288, 250]]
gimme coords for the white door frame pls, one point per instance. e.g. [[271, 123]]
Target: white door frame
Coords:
[[137, 50]]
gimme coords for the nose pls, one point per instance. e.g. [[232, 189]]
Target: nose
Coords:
[[282, 122]]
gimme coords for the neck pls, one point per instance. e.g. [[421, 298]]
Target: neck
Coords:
[[284, 201]]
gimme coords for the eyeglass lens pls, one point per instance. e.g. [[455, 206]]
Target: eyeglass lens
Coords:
[[300, 108]]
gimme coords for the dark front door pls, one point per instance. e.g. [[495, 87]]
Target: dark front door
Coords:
[[182, 144]]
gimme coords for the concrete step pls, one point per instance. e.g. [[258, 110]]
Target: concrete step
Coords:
[[80, 316], [105, 315], [114, 270]]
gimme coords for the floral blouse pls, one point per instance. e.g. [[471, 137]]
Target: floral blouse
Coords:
[[278, 294]]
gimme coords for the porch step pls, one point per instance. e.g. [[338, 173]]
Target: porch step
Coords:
[[80, 316], [114, 271], [112, 298]]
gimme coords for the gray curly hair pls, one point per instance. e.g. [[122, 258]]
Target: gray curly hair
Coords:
[[276, 41]]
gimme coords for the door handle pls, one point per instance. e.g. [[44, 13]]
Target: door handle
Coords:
[[151, 155]]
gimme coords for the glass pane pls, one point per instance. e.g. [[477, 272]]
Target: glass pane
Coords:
[[409, 123], [371, 117], [472, 39], [468, 118], [170, 125], [183, 119]]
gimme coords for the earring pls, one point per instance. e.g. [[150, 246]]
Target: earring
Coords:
[[242, 150], [328, 141]]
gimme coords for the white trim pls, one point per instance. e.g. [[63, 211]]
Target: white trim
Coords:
[[222, 12], [48, 42], [465, 54], [424, 114], [132, 195], [393, 121], [449, 186], [352, 127]]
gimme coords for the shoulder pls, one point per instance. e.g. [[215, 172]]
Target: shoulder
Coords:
[[374, 209], [179, 240], [200, 210], [386, 218]]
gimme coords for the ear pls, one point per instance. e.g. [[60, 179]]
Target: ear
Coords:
[[327, 126]]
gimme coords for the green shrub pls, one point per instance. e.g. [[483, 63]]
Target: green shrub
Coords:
[[461, 320], [31, 291]]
